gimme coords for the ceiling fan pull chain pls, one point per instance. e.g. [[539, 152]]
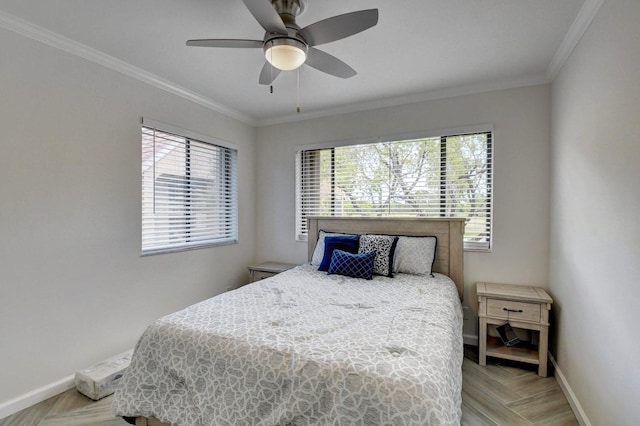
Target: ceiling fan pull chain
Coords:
[[271, 69], [298, 93]]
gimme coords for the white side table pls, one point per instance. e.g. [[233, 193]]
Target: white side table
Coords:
[[523, 307], [268, 269]]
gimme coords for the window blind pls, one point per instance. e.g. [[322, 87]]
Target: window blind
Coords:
[[444, 176], [189, 192]]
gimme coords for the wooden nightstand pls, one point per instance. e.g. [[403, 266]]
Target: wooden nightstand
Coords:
[[523, 307], [268, 269]]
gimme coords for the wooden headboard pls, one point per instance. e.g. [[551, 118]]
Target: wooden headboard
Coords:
[[448, 231]]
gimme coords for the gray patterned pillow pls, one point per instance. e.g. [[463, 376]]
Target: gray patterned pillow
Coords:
[[415, 255], [384, 246]]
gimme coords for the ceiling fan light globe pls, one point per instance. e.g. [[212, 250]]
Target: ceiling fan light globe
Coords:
[[285, 54]]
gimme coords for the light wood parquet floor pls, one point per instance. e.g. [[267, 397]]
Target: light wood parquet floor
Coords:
[[498, 394]]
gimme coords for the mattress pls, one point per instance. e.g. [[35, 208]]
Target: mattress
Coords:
[[304, 348]]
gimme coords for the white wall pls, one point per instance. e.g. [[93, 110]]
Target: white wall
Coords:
[[73, 287], [595, 205], [521, 119]]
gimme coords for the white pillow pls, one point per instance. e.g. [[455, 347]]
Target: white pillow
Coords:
[[318, 252], [415, 255]]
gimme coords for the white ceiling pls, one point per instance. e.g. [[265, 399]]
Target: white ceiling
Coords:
[[420, 49]]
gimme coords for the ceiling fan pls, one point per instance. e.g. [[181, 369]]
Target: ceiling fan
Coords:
[[286, 46]]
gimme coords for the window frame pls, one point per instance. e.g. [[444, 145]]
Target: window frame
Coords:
[[226, 173], [443, 134]]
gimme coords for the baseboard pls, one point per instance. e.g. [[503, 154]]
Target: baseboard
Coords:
[[576, 407], [35, 396], [52, 389], [568, 393], [470, 339]]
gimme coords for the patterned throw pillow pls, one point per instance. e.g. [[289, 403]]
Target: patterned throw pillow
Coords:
[[348, 243], [318, 251], [384, 246], [352, 265], [415, 255]]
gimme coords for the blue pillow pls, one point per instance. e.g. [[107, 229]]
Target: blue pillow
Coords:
[[352, 265], [348, 243]]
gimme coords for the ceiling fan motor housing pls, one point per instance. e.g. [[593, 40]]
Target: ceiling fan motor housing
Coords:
[[286, 52], [289, 8]]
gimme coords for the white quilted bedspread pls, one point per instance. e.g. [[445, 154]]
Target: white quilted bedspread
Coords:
[[304, 348]]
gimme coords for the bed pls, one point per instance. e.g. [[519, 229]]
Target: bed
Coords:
[[306, 347]]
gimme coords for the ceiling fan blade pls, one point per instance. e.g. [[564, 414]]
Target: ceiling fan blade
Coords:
[[268, 73], [339, 27], [266, 16], [325, 62], [222, 42]]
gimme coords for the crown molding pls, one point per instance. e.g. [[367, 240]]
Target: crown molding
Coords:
[[579, 26], [576, 31], [452, 92], [50, 38]]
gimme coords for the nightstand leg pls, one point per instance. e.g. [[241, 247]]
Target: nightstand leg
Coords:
[[482, 337], [543, 348]]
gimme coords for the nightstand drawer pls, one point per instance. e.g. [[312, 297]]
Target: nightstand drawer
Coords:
[[261, 275], [513, 310], [268, 269]]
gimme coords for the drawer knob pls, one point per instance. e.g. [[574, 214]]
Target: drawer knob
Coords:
[[512, 310]]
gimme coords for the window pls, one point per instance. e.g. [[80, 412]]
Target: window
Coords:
[[189, 191], [442, 176]]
